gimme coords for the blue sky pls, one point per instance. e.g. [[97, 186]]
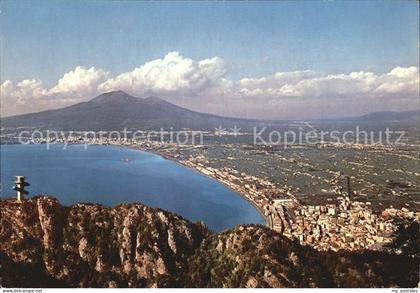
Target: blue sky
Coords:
[[45, 39]]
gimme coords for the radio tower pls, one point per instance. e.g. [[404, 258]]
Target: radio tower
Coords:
[[20, 185]]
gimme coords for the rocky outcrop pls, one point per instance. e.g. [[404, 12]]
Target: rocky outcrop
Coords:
[[131, 245], [90, 245]]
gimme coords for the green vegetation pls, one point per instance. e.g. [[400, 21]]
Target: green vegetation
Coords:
[[406, 239], [136, 246]]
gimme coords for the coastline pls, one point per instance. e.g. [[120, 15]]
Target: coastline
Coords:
[[173, 159], [340, 223], [192, 168]]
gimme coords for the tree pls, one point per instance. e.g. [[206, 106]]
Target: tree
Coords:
[[406, 239]]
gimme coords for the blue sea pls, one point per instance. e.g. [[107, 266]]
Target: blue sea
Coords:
[[111, 175]]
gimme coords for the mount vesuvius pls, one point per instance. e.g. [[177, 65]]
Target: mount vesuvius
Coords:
[[118, 110]]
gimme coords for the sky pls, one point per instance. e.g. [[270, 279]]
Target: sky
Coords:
[[276, 60]]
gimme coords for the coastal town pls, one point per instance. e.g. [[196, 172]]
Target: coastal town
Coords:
[[339, 222], [350, 225]]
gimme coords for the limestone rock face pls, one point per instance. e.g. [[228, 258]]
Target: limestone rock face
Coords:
[[82, 248], [48, 214], [44, 244], [90, 245]]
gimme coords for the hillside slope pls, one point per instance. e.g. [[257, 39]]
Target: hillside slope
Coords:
[[44, 244], [118, 110]]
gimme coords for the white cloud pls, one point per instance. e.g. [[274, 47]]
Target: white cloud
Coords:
[[25, 95], [311, 84], [75, 86], [79, 83], [400, 80], [174, 74], [203, 85]]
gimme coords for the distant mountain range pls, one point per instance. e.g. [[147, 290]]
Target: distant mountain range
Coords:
[[118, 110], [390, 116]]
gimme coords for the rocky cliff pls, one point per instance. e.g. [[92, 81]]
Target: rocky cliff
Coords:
[[44, 244]]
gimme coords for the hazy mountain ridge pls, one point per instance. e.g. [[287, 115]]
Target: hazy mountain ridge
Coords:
[[413, 115], [45, 244], [118, 110]]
